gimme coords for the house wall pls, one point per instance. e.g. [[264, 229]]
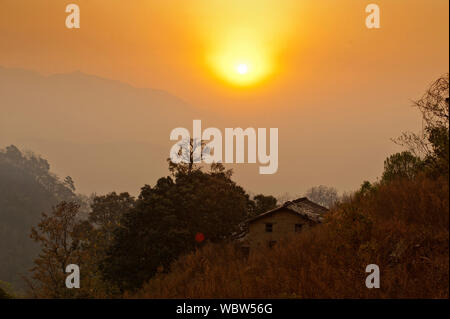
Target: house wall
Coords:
[[283, 225]]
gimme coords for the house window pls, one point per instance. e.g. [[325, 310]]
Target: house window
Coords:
[[298, 228], [269, 227], [272, 243]]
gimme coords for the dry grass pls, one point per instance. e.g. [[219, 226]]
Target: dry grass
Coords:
[[402, 227]]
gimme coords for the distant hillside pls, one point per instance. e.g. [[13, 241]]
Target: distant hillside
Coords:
[[72, 107], [73, 118], [27, 188]]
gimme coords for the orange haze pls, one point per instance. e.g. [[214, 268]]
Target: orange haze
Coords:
[[336, 90]]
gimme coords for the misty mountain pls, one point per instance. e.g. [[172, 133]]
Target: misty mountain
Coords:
[[73, 118]]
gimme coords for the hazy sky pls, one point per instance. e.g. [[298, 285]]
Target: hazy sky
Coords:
[[336, 90]]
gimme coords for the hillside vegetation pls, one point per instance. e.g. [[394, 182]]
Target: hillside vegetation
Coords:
[[399, 223], [27, 188], [401, 226]]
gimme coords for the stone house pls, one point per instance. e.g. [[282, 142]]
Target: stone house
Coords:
[[266, 229]]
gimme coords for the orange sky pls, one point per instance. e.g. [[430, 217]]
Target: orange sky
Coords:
[[332, 76], [164, 44]]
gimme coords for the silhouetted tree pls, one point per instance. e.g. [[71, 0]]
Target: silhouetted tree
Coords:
[[432, 144], [191, 152], [261, 204], [107, 211], [27, 188], [401, 165], [66, 239], [58, 234], [166, 218]]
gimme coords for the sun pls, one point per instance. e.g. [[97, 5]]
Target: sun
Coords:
[[241, 62], [242, 68]]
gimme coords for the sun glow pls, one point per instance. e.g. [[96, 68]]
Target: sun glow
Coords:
[[242, 62], [242, 68], [242, 49]]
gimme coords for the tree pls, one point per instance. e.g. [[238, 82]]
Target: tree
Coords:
[[283, 198], [70, 184], [59, 235], [432, 144], [365, 188], [191, 152], [27, 188], [439, 140], [166, 219], [261, 204], [401, 165], [107, 212], [66, 238], [323, 195]]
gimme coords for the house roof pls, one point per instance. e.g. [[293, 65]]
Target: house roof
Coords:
[[301, 206]]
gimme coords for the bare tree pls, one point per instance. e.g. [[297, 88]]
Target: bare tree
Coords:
[[191, 153], [283, 198], [434, 106], [323, 195]]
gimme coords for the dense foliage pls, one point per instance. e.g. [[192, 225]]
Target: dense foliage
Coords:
[[166, 219]]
